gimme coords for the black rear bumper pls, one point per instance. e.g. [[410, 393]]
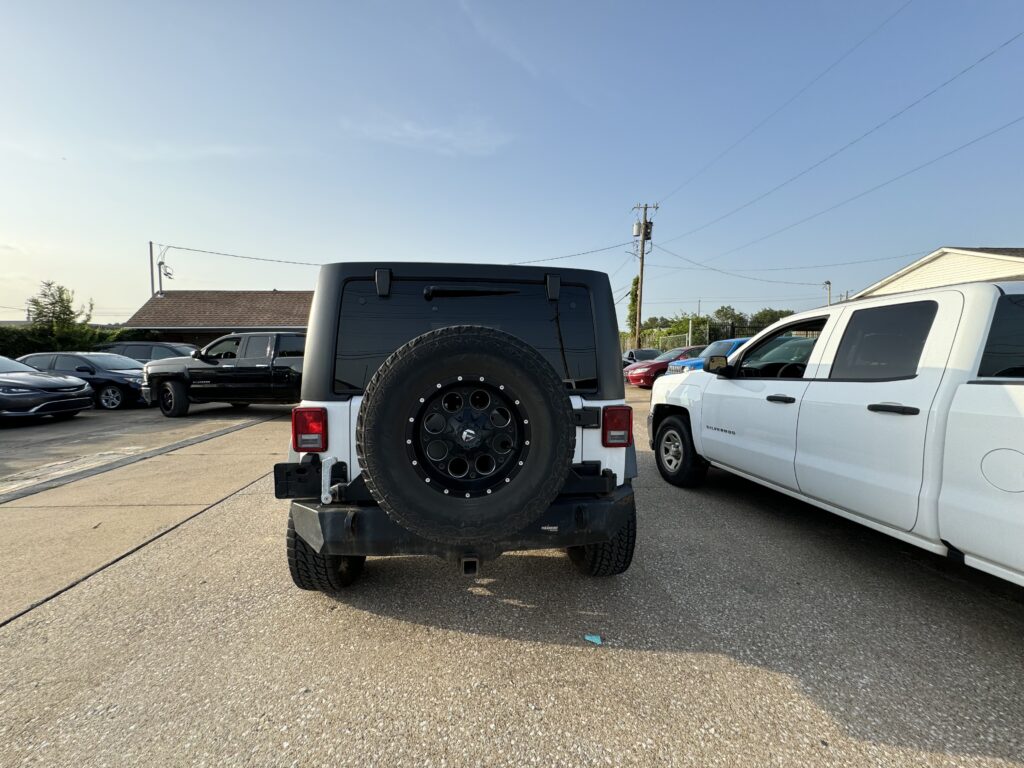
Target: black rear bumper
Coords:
[[352, 529]]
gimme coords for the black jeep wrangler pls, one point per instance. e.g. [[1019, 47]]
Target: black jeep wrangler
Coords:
[[461, 411]]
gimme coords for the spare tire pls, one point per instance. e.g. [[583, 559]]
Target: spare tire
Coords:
[[465, 435]]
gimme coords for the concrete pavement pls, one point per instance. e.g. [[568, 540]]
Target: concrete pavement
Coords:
[[751, 630]]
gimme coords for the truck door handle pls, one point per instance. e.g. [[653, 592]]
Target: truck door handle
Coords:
[[902, 410], [780, 399]]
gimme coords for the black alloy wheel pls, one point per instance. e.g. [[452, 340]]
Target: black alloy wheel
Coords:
[[468, 436]]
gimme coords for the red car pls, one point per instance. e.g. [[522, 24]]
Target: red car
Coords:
[[644, 373]]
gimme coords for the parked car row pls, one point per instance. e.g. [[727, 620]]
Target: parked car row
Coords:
[[29, 393], [240, 369], [116, 380], [644, 372]]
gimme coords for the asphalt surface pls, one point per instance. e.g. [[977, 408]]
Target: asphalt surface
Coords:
[[751, 630]]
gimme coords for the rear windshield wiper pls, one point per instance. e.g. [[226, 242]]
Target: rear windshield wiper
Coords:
[[432, 292]]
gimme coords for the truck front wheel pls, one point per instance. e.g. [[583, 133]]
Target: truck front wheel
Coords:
[[173, 399], [675, 455], [313, 571]]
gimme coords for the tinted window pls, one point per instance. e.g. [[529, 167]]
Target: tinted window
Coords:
[[291, 346], [371, 328], [13, 366], [1004, 350], [42, 362], [884, 342], [111, 362], [256, 346], [67, 363], [135, 351], [162, 353], [645, 354], [224, 349], [718, 348]]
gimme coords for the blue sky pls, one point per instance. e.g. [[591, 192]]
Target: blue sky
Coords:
[[498, 132]]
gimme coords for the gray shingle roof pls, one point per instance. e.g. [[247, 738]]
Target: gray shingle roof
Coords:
[[229, 310]]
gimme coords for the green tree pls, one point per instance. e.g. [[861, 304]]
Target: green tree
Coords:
[[767, 316], [631, 311], [54, 308], [726, 314]]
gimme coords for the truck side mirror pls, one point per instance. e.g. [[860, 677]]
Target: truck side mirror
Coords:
[[197, 354], [718, 365]]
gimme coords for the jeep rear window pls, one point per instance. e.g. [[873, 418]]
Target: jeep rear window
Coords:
[[372, 327]]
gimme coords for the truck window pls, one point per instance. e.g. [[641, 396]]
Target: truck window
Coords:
[[1004, 350], [255, 346], [371, 327], [291, 346], [225, 349], [884, 342]]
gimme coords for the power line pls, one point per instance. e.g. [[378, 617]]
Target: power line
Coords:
[[850, 144], [868, 191], [804, 266], [730, 274], [786, 103], [734, 300], [238, 256], [618, 269], [320, 264], [571, 255]]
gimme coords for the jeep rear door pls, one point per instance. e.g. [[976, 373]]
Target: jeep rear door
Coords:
[[864, 418]]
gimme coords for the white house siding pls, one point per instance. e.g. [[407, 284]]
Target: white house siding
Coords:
[[951, 268]]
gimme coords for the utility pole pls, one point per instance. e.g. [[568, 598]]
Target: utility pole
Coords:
[[152, 279], [828, 287], [644, 231]]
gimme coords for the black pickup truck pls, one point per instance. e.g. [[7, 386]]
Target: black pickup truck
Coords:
[[240, 369]]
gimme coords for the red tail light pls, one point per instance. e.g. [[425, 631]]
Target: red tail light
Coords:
[[617, 426], [309, 430]]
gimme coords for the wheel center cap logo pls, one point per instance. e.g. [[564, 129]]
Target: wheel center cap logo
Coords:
[[468, 435]]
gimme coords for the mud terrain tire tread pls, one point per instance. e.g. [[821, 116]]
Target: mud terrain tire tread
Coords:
[[313, 571], [609, 558]]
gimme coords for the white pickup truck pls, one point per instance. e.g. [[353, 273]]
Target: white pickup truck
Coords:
[[903, 412]]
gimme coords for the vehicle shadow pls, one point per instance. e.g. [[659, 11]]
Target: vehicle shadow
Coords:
[[896, 646]]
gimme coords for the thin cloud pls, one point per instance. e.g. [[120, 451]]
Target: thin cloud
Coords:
[[158, 152], [468, 136], [499, 42]]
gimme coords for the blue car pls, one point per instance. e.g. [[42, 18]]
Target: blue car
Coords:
[[723, 347]]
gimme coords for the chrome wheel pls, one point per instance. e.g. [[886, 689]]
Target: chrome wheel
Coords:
[[467, 436], [671, 450], [110, 398]]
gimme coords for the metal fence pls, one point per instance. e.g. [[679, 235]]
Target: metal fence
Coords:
[[702, 332]]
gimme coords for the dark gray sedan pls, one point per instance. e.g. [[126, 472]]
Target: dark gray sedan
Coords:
[[26, 392]]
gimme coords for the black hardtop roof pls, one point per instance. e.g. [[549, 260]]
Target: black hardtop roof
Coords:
[[457, 270]]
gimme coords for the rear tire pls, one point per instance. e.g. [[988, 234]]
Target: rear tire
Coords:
[[173, 399], [315, 572], [609, 558], [675, 455]]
